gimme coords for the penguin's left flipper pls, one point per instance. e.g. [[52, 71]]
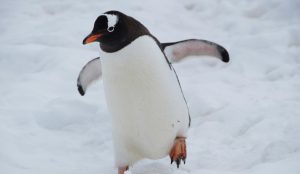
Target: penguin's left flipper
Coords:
[[88, 74], [177, 51]]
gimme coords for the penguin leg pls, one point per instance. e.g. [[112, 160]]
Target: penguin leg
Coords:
[[122, 170], [178, 151]]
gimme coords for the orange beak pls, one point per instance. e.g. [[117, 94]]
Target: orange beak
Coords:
[[91, 38]]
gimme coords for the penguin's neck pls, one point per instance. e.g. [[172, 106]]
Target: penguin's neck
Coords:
[[144, 50]]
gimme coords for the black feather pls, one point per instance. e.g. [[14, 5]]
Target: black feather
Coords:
[[224, 53], [80, 90]]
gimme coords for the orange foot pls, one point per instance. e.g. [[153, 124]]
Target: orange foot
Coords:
[[122, 170], [178, 151]]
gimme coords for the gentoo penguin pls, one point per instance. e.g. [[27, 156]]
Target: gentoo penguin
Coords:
[[150, 117]]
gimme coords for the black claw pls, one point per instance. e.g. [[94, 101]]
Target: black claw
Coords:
[[178, 162], [183, 160]]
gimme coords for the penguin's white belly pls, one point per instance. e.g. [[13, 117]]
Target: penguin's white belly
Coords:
[[143, 95]]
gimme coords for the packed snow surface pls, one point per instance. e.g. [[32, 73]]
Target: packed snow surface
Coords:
[[245, 114]]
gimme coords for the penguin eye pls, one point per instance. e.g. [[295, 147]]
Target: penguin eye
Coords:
[[110, 29]]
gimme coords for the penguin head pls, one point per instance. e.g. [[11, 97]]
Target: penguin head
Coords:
[[114, 30], [108, 27]]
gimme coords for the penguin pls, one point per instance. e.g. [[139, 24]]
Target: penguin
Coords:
[[150, 116]]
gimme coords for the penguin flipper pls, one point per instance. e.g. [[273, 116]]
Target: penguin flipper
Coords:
[[176, 51], [88, 74]]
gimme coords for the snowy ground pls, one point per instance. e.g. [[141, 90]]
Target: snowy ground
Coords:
[[245, 114]]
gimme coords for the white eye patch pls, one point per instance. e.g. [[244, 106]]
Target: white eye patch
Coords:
[[112, 20]]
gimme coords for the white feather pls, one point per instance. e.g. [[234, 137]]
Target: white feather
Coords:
[[147, 107], [111, 20]]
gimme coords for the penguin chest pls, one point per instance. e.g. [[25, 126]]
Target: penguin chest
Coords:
[[144, 98]]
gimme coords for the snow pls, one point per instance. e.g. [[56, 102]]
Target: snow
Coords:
[[245, 114]]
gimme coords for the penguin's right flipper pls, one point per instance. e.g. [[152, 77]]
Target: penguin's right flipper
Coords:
[[88, 74], [176, 51]]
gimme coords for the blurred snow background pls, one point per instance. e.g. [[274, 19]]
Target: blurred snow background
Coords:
[[245, 114]]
